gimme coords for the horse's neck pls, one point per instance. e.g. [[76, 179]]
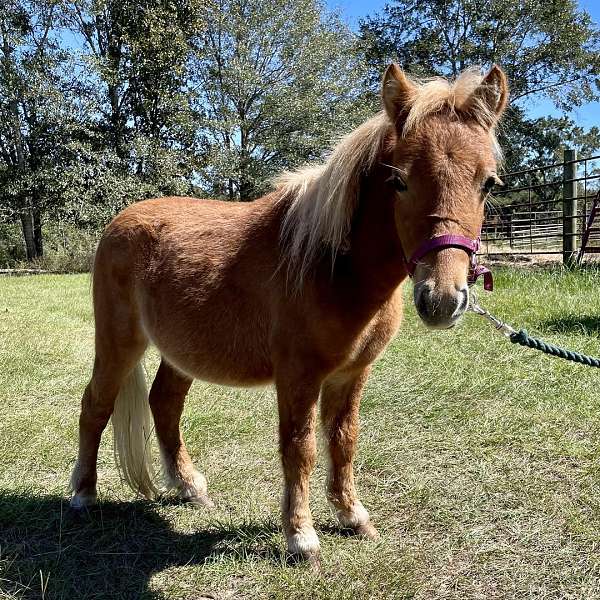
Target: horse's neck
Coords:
[[375, 257]]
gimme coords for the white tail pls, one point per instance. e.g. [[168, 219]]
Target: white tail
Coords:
[[132, 430]]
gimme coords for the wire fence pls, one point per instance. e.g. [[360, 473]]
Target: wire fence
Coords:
[[543, 210]]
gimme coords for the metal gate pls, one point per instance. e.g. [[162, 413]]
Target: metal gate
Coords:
[[543, 210]]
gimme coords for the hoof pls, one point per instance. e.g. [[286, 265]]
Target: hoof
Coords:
[[82, 501], [311, 559], [201, 501], [356, 521], [304, 546], [192, 489], [367, 531]]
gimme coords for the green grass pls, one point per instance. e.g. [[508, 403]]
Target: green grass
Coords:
[[479, 462]]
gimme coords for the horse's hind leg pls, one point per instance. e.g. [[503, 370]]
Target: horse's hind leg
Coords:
[[119, 343], [110, 371], [340, 400], [167, 396]]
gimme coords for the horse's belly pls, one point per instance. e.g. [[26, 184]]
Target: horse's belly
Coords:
[[221, 344], [220, 363], [240, 373]]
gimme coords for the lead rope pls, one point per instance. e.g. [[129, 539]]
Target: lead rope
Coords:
[[522, 338]]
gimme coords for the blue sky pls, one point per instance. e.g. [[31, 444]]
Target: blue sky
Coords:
[[587, 115]]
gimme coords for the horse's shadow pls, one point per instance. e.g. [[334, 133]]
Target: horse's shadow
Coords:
[[111, 551], [582, 324]]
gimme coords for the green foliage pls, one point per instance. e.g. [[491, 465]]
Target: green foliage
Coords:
[[11, 245], [538, 142], [36, 111], [275, 84], [98, 184], [135, 55], [548, 48], [67, 248], [104, 102]]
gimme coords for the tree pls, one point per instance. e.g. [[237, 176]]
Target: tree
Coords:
[[539, 142], [136, 56], [103, 102], [550, 48], [34, 111], [274, 82]]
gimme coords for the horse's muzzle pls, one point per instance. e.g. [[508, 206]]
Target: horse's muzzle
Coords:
[[440, 309]]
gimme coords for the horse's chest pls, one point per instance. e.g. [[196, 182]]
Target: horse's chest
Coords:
[[373, 339]]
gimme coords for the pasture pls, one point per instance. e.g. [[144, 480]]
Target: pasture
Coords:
[[478, 461]]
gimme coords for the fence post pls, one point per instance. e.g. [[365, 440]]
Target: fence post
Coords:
[[569, 207]]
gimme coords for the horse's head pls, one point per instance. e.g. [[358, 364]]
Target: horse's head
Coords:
[[442, 166]]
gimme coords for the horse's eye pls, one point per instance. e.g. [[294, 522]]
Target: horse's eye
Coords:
[[489, 184], [398, 183]]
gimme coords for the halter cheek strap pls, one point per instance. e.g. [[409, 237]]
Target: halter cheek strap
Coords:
[[469, 245]]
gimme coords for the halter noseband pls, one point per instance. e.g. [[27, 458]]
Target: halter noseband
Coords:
[[448, 240]]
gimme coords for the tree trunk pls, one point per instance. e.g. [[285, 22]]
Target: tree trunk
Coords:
[[37, 234], [246, 187], [28, 234]]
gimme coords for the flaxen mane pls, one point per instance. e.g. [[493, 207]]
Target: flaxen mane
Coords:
[[322, 198]]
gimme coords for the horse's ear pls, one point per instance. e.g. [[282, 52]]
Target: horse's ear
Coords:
[[397, 92], [488, 101]]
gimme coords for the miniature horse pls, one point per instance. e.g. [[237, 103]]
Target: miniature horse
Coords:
[[300, 288]]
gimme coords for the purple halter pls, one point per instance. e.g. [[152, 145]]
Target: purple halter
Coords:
[[448, 240]]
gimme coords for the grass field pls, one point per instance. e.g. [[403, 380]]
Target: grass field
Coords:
[[479, 463]]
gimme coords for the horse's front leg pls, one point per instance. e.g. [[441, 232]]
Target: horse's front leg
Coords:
[[340, 400], [297, 398]]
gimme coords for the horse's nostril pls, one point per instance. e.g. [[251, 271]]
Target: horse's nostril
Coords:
[[423, 301], [464, 300]]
